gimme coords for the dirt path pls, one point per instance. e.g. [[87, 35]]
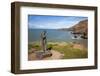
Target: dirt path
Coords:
[[55, 55]]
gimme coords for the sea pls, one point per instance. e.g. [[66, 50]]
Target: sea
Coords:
[[54, 35]]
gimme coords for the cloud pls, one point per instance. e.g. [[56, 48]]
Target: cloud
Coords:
[[52, 22]]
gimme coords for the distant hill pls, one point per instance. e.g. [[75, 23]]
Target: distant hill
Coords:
[[79, 28]]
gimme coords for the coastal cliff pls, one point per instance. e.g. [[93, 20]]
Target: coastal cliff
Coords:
[[81, 28]]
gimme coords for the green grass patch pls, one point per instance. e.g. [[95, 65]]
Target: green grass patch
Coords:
[[35, 45], [70, 52], [66, 49]]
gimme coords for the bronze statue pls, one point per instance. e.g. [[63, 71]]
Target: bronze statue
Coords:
[[45, 52], [44, 41]]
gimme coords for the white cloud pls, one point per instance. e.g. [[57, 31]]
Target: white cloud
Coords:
[[53, 23]]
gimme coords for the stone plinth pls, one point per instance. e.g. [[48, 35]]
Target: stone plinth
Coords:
[[42, 54]]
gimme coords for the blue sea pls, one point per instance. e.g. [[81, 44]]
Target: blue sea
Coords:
[[54, 35]]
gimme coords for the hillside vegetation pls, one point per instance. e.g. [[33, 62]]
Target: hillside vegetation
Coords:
[[80, 28]]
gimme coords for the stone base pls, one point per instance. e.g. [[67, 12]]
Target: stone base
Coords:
[[41, 54]]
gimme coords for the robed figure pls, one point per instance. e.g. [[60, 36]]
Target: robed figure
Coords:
[[44, 41]]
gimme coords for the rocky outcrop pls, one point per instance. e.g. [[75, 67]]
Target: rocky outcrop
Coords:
[[81, 28]]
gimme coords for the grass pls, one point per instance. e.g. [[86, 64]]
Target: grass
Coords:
[[70, 52], [66, 49], [35, 46]]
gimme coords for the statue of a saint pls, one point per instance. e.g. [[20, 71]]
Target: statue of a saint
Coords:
[[44, 41]]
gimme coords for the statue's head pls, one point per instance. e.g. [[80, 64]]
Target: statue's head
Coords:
[[44, 31]]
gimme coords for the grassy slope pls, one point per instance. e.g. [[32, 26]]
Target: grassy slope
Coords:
[[70, 52], [66, 49]]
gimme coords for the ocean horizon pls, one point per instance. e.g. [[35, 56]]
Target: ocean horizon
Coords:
[[53, 35]]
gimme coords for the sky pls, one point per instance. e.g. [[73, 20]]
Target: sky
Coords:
[[52, 22]]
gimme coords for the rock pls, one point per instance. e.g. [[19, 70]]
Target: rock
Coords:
[[40, 55]]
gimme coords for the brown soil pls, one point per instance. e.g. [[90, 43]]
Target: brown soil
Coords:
[[55, 55], [78, 46]]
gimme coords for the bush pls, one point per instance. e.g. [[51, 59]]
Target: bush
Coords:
[[30, 46], [49, 46]]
